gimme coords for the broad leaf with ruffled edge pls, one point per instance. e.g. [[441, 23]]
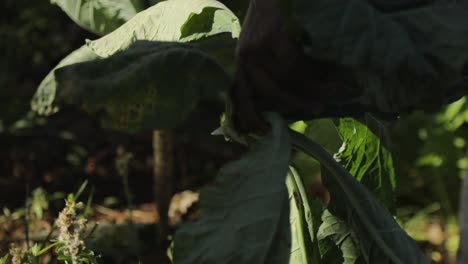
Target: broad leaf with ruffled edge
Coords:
[[162, 22]]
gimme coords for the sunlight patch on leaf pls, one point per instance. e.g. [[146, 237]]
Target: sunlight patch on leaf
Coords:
[[304, 221], [365, 156], [166, 21], [100, 16]]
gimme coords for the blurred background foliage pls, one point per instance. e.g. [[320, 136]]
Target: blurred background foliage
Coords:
[[58, 153], [42, 159], [35, 36]]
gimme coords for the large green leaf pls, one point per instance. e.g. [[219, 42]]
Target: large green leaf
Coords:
[[100, 16], [245, 212], [162, 22], [381, 238], [166, 21], [365, 156], [150, 85], [400, 61]]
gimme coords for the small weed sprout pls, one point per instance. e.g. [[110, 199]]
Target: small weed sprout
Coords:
[[17, 254], [20, 254], [4, 259], [70, 245]]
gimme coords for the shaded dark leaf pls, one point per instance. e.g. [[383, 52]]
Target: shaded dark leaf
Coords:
[[245, 212], [150, 85], [398, 61]]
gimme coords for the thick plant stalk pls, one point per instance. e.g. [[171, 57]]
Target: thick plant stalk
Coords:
[[163, 151], [462, 254]]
